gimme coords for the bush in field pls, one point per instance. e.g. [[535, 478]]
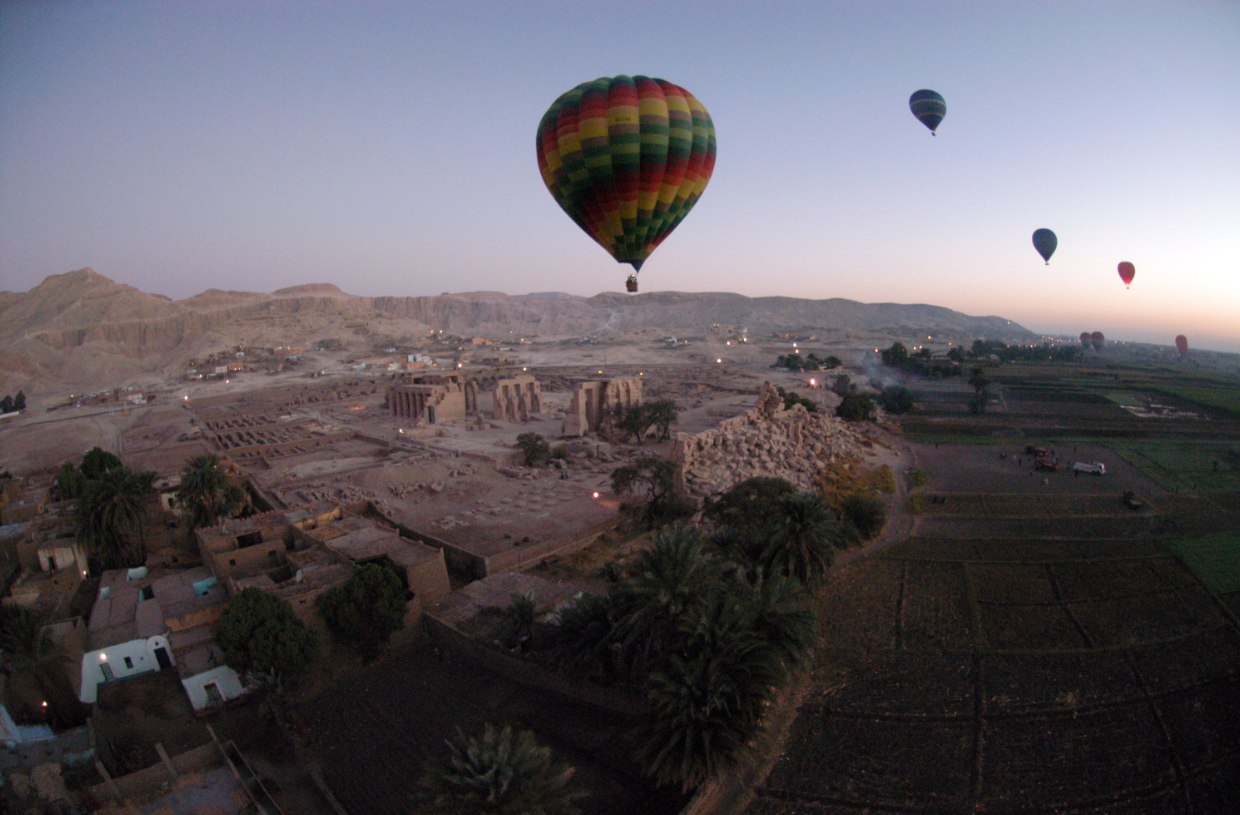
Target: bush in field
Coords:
[[866, 513], [896, 399], [855, 407], [535, 447]]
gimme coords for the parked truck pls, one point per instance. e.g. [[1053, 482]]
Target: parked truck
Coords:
[[1097, 467]]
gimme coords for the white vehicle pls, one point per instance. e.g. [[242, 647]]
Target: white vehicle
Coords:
[[1097, 468]]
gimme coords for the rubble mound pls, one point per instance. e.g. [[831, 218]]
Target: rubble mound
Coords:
[[794, 445]]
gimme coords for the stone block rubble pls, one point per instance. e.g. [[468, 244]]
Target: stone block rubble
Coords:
[[767, 440]]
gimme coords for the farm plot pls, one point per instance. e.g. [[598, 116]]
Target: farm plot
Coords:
[[878, 761], [1213, 558], [1046, 660], [1049, 682], [1049, 763]]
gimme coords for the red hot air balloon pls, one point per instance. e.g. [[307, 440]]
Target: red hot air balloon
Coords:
[[1098, 339], [1181, 344], [1127, 272]]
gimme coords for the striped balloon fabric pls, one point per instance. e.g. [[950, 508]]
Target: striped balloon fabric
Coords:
[[928, 107], [627, 158]]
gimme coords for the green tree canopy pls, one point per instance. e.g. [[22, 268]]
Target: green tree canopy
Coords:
[[652, 476], [111, 516], [855, 407], [896, 399], [367, 610], [208, 493], [753, 504], [261, 636], [97, 461], [535, 447]]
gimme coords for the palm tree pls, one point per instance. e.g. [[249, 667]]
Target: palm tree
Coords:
[[38, 679], [780, 614], [111, 516], [501, 772], [208, 492], [803, 540], [668, 582], [706, 701]]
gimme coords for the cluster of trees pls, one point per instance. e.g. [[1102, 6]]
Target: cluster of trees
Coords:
[[9, 404], [793, 398], [113, 502], [263, 638], [111, 513], [855, 407], [1025, 353], [920, 362], [709, 628], [638, 420], [981, 390], [809, 362]]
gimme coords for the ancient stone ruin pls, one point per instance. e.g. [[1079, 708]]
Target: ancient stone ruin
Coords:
[[516, 399], [767, 440], [433, 398], [594, 403]]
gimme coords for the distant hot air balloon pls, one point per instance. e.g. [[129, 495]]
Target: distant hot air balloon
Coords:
[[1181, 344], [928, 107], [1085, 338], [1045, 242], [626, 158], [1098, 339], [1127, 272]]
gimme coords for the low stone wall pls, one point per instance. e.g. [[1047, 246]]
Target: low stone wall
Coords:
[[152, 778]]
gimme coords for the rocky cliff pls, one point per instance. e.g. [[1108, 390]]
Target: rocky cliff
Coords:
[[79, 327]]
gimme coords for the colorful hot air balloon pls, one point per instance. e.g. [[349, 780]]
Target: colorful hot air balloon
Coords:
[[1181, 344], [627, 158], [1127, 272], [1045, 242], [1085, 337], [1098, 339], [928, 107]]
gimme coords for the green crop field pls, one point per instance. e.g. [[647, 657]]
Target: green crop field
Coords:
[[1214, 558], [1195, 466]]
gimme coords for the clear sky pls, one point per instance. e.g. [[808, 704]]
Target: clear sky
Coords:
[[389, 148]]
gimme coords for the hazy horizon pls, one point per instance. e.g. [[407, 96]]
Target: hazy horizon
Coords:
[[389, 149]]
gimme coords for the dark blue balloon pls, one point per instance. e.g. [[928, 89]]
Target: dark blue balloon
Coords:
[[928, 107], [1045, 242]]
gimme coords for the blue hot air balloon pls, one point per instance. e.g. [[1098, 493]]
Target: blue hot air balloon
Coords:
[[928, 107], [1045, 242]]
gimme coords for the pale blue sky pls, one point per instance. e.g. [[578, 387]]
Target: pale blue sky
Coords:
[[389, 148]]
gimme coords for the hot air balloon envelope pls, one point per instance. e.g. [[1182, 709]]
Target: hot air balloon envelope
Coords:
[[626, 158], [1045, 242], [1098, 339], [1085, 337], [928, 107], [1127, 272], [1181, 344]]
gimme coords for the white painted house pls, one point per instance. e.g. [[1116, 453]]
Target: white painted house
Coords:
[[155, 621]]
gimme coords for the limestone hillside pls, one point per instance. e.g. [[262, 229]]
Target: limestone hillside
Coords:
[[79, 328]]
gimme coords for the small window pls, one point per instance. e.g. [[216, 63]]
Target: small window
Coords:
[[232, 563], [146, 593], [129, 663]]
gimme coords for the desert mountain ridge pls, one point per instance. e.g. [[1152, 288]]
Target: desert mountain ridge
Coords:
[[81, 327]]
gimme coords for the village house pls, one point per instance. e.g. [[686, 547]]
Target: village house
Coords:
[[422, 568], [144, 621]]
